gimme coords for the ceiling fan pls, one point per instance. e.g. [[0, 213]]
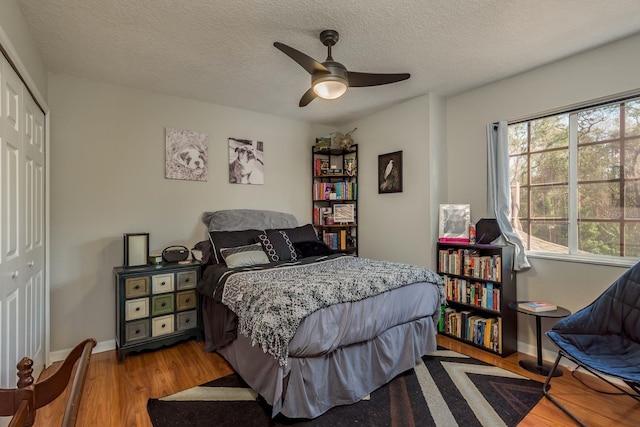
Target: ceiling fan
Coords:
[[330, 79]]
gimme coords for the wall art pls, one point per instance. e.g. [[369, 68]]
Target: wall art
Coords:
[[246, 161], [186, 155], [390, 172]]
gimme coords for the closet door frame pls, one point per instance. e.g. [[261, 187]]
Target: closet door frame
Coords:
[[11, 55]]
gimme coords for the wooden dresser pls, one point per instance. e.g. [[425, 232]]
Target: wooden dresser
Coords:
[[156, 305]]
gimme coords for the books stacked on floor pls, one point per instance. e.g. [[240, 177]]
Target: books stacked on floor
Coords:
[[537, 306], [470, 326]]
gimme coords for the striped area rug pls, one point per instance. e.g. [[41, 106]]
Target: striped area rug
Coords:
[[444, 389]]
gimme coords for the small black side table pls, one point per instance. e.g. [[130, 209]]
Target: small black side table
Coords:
[[539, 367]]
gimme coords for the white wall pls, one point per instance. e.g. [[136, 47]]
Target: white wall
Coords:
[[398, 226], [12, 23], [107, 178], [601, 72]]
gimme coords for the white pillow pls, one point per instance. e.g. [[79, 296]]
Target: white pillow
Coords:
[[244, 256]]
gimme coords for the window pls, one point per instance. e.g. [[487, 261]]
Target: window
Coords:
[[575, 181]]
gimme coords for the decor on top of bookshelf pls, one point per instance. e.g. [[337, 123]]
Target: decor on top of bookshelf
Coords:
[[487, 230], [335, 196], [323, 143], [479, 286], [390, 173], [453, 223], [343, 141]]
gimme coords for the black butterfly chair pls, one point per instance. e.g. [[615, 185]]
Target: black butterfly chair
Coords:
[[604, 337]]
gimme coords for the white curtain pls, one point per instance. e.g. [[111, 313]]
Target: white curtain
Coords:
[[499, 191]]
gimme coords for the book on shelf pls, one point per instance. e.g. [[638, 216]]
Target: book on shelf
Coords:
[[343, 239], [537, 306]]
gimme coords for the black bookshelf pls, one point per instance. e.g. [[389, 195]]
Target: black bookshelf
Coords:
[[335, 197], [480, 285]]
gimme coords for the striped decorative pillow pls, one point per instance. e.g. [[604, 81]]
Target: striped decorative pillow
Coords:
[[278, 245]]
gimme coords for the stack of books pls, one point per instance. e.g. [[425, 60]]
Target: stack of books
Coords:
[[537, 306]]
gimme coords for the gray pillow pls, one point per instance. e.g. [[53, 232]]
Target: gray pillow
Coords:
[[245, 219]]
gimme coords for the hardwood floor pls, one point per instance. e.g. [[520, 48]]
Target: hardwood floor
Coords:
[[116, 394]]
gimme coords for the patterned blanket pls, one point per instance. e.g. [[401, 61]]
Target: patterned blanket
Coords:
[[271, 303]]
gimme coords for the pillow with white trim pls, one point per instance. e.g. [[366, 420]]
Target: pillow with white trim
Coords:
[[230, 239], [278, 245], [244, 256]]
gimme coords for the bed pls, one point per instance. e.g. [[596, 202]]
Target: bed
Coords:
[[309, 329]]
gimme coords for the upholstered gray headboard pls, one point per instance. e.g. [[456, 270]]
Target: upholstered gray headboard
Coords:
[[246, 219]]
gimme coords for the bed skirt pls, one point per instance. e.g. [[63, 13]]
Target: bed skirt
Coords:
[[344, 376]]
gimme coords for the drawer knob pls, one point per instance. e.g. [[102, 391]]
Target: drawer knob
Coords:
[[186, 280], [136, 287], [163, 325], [163, 304], [187, 300], [187, 321], [137, 331], [137, 308], [163, 283]]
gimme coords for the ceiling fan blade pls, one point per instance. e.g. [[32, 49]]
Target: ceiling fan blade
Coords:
[[372, 79], [305, 61], [308, 96]]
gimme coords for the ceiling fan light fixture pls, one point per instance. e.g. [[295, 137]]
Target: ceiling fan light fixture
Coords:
[[330, 79], [330, 87]]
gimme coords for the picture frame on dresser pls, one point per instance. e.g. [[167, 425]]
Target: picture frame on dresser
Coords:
[[136, 249]]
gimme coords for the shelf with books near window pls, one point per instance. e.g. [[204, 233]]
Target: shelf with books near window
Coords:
[[479, 285]]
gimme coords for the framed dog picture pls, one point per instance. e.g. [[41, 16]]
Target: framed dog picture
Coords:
[[186, 155], [246, 161]]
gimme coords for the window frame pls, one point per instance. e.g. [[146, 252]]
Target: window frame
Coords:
[[573, 183]]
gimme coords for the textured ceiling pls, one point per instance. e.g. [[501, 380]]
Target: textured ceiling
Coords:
[[222, 51]]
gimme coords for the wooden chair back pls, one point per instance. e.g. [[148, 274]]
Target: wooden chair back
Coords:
[[21, 403]]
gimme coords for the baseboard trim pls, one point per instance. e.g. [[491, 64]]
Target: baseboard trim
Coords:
[[57, 356]]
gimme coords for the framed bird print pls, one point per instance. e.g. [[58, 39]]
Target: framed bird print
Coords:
[[390, 172]]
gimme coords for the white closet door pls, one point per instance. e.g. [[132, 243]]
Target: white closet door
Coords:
[[22, 220], [33, 238], [12, 341]]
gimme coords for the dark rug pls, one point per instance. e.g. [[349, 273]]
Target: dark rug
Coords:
[[448, 389]]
